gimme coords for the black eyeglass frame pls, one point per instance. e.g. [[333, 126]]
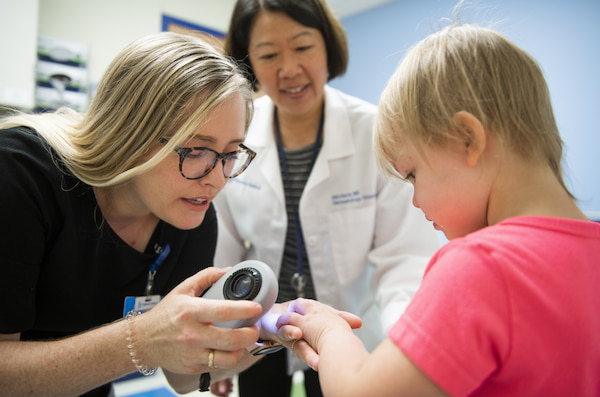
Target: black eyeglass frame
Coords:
[[184, 151]]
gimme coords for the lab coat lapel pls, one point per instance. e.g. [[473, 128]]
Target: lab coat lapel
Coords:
[[337, 138], [264, 143]]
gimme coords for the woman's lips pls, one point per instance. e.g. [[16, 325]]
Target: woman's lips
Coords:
[[197, 204], [197, 200], [295, 90]]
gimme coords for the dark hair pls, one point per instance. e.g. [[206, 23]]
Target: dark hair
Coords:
[[315, 14]]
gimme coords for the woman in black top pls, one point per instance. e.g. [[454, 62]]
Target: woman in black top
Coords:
[[116, 202]]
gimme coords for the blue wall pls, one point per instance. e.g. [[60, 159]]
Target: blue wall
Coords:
[[563, 36]]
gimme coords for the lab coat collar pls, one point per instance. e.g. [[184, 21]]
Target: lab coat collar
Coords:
[[337, 135], [337, 139]]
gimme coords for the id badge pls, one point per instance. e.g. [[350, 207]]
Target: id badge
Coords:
[[140, 303]]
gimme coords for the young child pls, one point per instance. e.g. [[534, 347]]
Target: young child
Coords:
[[511, 305]]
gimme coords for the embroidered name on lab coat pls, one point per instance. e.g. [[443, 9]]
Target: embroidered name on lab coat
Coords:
[[351, 197]]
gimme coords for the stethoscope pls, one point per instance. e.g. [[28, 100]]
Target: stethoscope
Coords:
[[298, 280]]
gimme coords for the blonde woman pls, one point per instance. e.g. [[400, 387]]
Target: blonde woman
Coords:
[[117, 203]]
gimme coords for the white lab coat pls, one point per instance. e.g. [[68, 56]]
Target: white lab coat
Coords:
[[367, 245]]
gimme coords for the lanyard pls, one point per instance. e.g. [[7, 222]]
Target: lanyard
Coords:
[[298, 280], [162, 255]]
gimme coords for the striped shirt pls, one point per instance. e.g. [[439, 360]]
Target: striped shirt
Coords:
[[299, 164]]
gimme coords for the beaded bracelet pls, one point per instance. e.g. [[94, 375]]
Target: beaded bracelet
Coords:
[[134, 359]]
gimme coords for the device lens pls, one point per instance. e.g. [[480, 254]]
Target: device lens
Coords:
[[243, 284]]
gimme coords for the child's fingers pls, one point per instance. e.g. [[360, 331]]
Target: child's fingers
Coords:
[[289, 319], [353, 320], [306, 306], [306, 353], [289, 333]]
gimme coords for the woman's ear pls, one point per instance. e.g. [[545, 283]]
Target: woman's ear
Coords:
[[474, 136]]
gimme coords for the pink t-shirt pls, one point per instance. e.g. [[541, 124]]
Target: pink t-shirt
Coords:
[[510, 310]]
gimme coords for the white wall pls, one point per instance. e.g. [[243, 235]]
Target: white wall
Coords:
[[109, 25], [18, 29]]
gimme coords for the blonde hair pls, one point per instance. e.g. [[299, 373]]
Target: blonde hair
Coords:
[[473, 69], [160, 86]]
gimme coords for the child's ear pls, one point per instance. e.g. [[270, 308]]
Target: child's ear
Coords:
[[474, 136]]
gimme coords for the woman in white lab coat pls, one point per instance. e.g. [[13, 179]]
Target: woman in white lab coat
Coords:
[[314, 205]]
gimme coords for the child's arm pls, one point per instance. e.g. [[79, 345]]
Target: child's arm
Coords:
[[345, 367]]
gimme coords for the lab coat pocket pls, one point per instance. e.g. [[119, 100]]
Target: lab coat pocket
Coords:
[[351, 234]]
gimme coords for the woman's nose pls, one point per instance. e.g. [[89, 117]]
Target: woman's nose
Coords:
[[289, 67], [216, 176]]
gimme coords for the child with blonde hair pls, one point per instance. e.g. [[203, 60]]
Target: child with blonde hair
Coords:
[[511, 305]]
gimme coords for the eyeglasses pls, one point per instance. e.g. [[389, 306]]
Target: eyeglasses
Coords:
[[197, 162]]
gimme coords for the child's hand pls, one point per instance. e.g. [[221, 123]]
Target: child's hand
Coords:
[[271, 330], [315, 320]]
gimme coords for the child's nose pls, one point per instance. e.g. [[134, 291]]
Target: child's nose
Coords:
[[414, 201]]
